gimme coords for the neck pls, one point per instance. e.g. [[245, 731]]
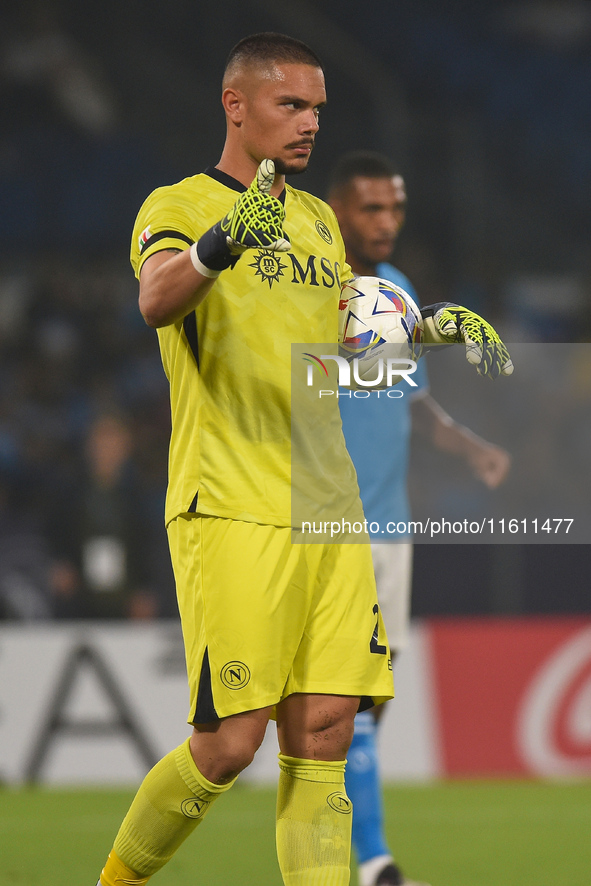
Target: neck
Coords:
[[244, 168]]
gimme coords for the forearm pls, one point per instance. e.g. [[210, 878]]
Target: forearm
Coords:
[[446, 434], [457, 439], [170, 288], [490, 463]]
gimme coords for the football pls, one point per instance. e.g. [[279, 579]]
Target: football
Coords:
[[380, 331]]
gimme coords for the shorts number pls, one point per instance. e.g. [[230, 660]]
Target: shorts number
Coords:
[[374, 646]]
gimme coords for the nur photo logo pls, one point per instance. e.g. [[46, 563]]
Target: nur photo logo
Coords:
[[390, 371]]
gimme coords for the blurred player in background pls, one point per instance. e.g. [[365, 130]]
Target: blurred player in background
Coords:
[[271, 628], [369, 198], [98, 538]]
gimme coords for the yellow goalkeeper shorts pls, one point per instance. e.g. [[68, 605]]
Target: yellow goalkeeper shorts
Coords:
[[263, 618]]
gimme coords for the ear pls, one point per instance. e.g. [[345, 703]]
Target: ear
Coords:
[[233, 101]]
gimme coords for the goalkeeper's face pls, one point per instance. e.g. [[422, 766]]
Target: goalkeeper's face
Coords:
[[279, 114]]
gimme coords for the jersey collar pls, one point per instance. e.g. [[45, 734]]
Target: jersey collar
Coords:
[[224, 179]]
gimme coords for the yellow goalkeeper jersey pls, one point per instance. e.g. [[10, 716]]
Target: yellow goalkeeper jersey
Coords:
[[237, 446]]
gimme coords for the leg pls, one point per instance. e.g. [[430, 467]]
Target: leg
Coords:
[[365, 791], [392, 566], [393, 571], [313, 811], [341, 656], [316, 727], [364, 788], [176, 794], [222, 575], [221, 750]]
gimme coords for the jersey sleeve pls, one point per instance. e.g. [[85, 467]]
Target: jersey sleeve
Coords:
[[165, 221]]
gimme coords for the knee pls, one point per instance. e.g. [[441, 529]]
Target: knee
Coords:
[[237, 754], [222, 755]]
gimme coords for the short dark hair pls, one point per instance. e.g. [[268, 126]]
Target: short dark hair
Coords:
[[368, 164], [271, 47]]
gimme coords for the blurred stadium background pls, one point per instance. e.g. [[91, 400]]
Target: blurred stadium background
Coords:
[[486, 107]]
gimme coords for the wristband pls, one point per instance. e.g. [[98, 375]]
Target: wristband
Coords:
[[199, 266], [213, 252], [431, 310]]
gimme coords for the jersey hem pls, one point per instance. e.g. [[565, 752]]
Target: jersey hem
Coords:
[[272, 701], [356, 692]]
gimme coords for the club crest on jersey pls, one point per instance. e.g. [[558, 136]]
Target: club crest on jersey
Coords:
[[323, 231], [268, 266], [144, 237]]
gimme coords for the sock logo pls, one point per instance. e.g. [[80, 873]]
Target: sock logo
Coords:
[[194, 808], [340, 803], [235, 675]]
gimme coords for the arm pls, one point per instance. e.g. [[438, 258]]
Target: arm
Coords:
[[170, 287], [173, 284], [488, 462]]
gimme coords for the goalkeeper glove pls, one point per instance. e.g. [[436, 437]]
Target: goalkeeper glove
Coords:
[[446, 323], [255, 220]]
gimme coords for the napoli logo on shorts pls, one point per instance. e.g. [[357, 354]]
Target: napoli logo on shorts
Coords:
[[340, 803], [194, 808], [323, 231], [235, 675]]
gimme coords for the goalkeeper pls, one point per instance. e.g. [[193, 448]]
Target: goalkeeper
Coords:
[[271, 628]]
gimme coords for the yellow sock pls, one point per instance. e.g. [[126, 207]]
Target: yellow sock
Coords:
[[313, 823], [115, 873], [171, 801]]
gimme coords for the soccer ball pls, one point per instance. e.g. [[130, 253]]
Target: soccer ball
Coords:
[[380, 330]]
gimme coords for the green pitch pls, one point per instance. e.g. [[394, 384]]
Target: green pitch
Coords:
[[449, 834]]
